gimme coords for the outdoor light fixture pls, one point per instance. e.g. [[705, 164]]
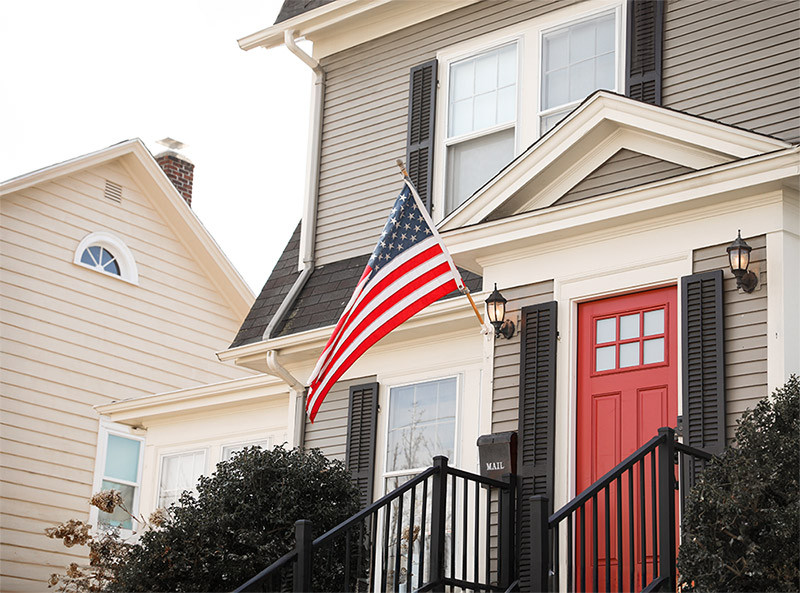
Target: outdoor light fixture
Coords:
[[496, 310], [739, 259]]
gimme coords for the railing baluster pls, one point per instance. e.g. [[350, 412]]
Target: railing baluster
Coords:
[[410, 552], [642, 525], [653, 510], [595, 555], [487, 550], [384, 565], [453, 528], [631, 543], [347, 554], [505, 532], [465, 521], [556, 560], [570, 553], [619, 533], [667, 505], [608, 540], [422, 533], [476, 554], [373, 548], [398, 544], [582, 534]]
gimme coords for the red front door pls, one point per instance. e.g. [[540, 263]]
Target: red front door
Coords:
[[627, 389]]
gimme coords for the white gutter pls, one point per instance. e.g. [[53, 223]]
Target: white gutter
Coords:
[[297, 414], [308, 225]]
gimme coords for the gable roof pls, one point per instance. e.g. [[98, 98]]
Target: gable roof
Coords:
[[595, 131], [140, 164]]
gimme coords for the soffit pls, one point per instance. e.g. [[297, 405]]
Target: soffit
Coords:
[[599, 128]]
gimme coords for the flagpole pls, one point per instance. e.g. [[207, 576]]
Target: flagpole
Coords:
[[459, 281]]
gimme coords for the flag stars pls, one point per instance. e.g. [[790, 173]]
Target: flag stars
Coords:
[[403, 236]]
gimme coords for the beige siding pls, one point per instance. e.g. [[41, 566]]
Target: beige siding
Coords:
[[366, 106], [745, 330], [73, 338], [623, 170], [735, 61], [505, 392], [329, 430]]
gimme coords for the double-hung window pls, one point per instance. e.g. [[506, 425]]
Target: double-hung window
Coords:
[[179, 473], [121, 471], [577, 59], [481, 120]]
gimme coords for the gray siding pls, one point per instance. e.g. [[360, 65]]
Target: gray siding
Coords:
[[366, 108], [505, 388], [736, 62], [745, 330], [329, 430], [623, 170]]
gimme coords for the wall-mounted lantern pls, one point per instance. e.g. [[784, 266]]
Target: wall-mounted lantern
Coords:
[[496, 310], [739, 260]]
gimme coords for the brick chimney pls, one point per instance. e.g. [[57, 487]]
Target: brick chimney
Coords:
[[180, 171]]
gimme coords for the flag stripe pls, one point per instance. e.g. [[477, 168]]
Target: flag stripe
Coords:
[[400, 260], [377, 311], [371, 339], [389, 286]]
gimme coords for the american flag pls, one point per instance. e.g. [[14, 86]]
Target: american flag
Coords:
[[409, 269]]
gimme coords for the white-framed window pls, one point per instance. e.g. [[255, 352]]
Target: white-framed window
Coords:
[[578, 58], [118, 467], [229, 450], [421, 424], [179, 472], [481, 120], [107, 254], [559, 59]]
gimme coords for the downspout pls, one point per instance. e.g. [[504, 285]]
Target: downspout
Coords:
[[297, 403], [309, 224]]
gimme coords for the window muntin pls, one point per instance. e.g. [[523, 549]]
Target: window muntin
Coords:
[[630, 340], [577, 59], [121, 470], [101, 259], [179, 473], [481, 120]]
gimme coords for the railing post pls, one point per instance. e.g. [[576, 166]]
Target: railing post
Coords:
[[540, 543], [303, 540], [438, 520], [505, 532], [667, 556]]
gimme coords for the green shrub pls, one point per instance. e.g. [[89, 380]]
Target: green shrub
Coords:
[[241, 521], [740, 529]]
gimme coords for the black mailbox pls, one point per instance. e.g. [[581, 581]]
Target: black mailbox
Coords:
[[498, 454]]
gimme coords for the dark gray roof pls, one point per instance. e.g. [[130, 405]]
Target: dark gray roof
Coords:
[[322, 299], [277, 287], [292, 8]]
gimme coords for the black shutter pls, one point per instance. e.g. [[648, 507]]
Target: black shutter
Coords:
[[703, 366], [421, 111], [361, 426], [645, 36], [537, 395]]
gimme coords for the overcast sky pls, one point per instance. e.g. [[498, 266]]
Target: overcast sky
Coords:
[[80, 75]]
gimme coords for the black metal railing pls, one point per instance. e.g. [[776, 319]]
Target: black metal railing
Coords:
[[620, 533], [444, 528]]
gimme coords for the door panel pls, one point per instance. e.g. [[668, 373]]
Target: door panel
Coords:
[[627, 390]]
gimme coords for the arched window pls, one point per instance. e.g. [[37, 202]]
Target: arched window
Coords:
[[106, 253]]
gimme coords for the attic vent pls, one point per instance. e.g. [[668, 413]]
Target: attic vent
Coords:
[[113, 191]]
